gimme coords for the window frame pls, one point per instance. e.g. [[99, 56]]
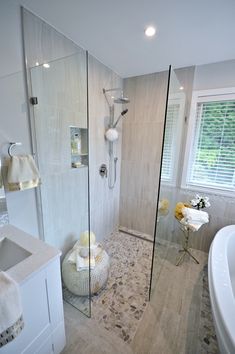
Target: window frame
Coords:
[[201, 96], [176, 98]]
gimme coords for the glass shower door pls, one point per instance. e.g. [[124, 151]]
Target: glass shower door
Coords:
[[165, 223], [60, 122]]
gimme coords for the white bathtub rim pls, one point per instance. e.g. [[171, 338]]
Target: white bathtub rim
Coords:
[[219, 322], [221, 292]]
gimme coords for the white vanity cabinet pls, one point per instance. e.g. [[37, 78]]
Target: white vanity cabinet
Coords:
[[40, 284]]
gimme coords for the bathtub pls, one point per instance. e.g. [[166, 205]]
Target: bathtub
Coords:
[[221, 272]]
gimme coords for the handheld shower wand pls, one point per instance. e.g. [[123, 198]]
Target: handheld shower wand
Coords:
[[121, 115], [112, 134]]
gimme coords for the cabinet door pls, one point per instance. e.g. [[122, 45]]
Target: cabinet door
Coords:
[[37, 326], [46, 348], [55, 301]]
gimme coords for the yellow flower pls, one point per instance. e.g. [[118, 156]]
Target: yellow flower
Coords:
[[164, 204], [178, 209], [163, 207]]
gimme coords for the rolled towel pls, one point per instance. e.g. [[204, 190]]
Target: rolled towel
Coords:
[[11, 319], [84, 251], [83, 263], [22, 173], [194, 219], [194, 215], [80, 256]]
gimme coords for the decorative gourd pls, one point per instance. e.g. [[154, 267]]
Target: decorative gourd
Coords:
[[84, 239]]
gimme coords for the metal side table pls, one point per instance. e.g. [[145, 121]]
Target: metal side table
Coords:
[[185, 245]]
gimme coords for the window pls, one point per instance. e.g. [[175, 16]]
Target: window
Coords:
[[172, 137], [212, 146]]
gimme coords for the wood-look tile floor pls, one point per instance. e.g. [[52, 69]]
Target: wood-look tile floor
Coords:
[[178, 319], [85, 336], [173, 322]]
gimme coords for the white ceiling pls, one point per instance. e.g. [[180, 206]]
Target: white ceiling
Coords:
[[189, 32]]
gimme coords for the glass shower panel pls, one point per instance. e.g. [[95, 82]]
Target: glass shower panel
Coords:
[[59, 101], [166, 225]]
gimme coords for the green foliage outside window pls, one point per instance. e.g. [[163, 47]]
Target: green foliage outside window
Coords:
[[215, 151]]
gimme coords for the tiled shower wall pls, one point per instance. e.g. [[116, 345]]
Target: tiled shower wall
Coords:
[[61, 92], [141, 150], [64, 193], [22, 206], [104, 201]]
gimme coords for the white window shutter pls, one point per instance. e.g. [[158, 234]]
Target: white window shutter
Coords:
[[212, 162], [170, 141]]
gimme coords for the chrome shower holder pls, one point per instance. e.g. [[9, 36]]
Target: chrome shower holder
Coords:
[[112, 134]]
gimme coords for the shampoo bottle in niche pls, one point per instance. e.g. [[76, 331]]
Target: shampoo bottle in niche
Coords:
[[77, 143]]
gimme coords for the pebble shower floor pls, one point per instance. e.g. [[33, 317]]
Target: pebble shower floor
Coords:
[[120, 306]]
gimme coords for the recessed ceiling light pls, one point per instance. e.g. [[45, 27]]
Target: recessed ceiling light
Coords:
[[150, 31], [181, 87], [46, 65], [37, 63]]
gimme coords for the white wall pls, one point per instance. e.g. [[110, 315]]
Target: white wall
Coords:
[[216, 75], [13, 117]]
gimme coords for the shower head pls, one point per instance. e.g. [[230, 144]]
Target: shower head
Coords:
[[121, 100]]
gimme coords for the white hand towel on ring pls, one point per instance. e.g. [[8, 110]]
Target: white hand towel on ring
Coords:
[[22, 173]]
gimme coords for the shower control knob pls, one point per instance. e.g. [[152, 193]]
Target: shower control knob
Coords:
[[103, 171], [33, 100]]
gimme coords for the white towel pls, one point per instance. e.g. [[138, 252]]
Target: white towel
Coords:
[[22, 173], [194, 219], [195, 215], [80, 256], [83, 263], [10, 303]]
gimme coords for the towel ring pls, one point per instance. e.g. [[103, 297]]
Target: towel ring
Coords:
[[11, 147]]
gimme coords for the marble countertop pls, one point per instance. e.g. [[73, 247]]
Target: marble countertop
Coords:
[[41, 253]]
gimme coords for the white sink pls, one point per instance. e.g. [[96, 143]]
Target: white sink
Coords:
[[11, 254]]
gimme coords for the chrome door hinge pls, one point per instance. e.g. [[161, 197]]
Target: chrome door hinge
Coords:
[[33, 100]]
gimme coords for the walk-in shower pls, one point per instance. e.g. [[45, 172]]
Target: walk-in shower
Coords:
[[111, 133]]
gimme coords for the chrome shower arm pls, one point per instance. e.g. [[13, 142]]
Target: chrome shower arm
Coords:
[[112, 89], [109, 104]]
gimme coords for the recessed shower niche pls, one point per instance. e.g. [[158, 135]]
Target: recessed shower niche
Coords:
[[79, 147]]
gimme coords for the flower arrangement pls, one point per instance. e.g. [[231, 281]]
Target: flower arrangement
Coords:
[[200, 202]]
